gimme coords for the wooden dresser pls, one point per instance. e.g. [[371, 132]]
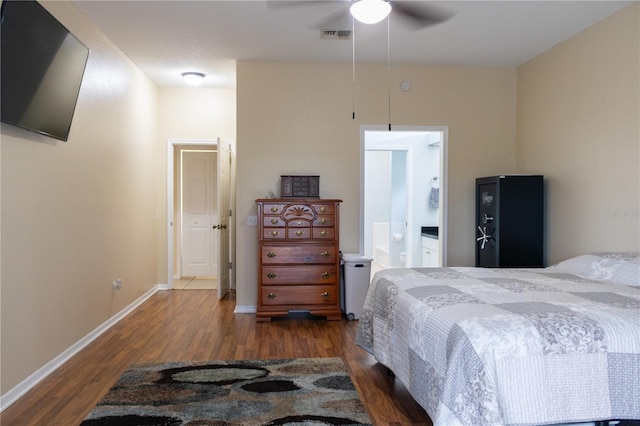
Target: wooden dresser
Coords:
[[299, 257]]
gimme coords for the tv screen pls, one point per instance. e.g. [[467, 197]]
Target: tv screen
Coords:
[[42, 65]]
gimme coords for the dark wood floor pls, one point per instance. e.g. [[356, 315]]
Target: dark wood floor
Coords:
[[193, 325]]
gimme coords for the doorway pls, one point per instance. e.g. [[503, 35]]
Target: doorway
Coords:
[[403, 191], [198, 215]]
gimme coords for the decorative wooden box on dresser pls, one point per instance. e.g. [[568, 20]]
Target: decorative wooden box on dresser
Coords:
[[299, 257]]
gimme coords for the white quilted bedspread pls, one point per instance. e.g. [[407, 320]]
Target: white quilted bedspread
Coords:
[[478, 346]]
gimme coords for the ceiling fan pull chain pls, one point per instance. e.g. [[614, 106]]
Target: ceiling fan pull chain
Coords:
[[353, 66], [389, 65]]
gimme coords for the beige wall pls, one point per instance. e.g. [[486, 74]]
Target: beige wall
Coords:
[[78, 215], [296, 118], [578, 124]]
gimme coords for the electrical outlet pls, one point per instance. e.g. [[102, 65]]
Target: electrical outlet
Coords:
[[252, 221], [117, 284]]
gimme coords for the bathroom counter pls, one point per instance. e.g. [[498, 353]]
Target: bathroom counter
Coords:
[[430, 232], [430, 246]]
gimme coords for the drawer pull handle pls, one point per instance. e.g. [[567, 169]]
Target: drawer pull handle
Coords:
[[299, 223], [325, 295], [298, 233], [323, 209], [325, 275], [323, 221], [325, 254], [271, 254], [324, 233], [271, 275], [274, 233], [271, 295], [274, 209], [274, 221]]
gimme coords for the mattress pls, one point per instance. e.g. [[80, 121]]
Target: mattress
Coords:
[[477, 346]]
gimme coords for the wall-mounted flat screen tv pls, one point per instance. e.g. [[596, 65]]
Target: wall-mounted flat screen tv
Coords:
[[42, 65]]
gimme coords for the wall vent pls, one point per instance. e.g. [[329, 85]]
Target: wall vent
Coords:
[[335, 34]]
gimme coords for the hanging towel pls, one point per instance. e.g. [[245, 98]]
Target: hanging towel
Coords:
[[434, 198]]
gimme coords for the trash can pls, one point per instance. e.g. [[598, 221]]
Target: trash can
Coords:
[[357, 274]]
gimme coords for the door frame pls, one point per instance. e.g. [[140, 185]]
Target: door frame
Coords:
[[171, 144], [442, 213]]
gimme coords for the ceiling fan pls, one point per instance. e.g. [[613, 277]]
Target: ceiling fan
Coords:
[[415, 14]]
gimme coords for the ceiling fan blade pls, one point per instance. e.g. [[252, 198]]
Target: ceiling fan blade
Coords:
[[287, 4], [419, 14], [341, 20]]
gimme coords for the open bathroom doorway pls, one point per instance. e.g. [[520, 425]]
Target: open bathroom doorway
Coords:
[[403, 196]]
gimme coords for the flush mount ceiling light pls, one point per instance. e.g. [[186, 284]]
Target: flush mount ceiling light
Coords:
[[193, 78], [370, 11]]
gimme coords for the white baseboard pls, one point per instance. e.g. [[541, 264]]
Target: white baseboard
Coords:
[[245, 309], [23, 387]]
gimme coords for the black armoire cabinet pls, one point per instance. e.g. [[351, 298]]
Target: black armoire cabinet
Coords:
[[509, 221]]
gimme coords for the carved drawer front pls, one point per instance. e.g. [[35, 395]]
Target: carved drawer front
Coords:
[[299, 295], [298, 212], [303, 274], [298, 254]]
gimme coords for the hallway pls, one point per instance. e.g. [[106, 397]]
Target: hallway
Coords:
[[195, 283]]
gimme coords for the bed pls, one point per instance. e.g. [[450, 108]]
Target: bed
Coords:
[[477, 346]]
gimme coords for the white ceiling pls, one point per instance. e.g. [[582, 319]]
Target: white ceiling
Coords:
[[165, 38]]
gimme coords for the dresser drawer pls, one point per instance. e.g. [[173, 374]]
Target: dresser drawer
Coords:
[[299, 223], [324, 233], [299, 295], [274, 233], [302, 253], [272, 221], [299, 233], [272, 208], [325, 220], [298, 274], [328, 209]]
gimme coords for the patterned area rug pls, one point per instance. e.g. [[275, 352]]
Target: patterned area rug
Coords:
[[305, 391]]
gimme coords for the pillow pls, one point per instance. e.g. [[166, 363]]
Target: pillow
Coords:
[[617, 268]]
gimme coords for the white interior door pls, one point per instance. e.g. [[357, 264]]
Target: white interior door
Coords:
[[224, 211], [198, 213]]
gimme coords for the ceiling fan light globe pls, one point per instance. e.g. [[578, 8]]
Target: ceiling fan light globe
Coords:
[[193, 79], [370, 11]]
